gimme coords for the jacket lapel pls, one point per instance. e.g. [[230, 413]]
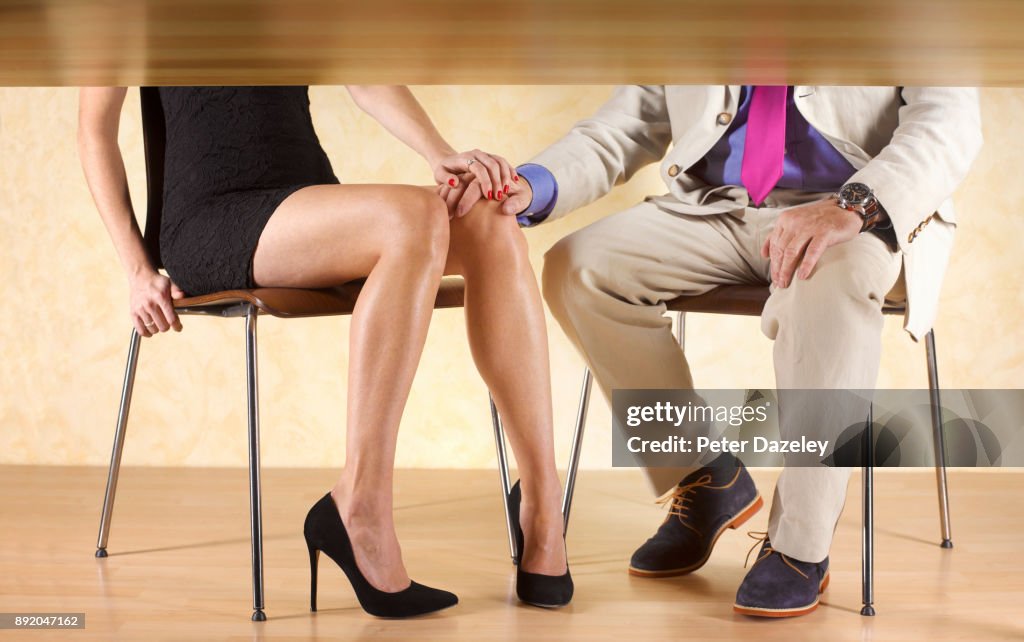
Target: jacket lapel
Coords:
[[732, 93]]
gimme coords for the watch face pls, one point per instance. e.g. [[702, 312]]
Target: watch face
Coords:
[[855, 193]]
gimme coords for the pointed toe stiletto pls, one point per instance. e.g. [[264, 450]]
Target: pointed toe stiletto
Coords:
[[546, 591], [325, 532]]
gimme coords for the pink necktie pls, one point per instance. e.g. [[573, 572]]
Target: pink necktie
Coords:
[[765, 142]]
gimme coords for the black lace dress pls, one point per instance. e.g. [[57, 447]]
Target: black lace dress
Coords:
[[233, 154]]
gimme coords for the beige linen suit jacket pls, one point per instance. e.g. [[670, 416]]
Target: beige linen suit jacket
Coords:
[[911, 145]]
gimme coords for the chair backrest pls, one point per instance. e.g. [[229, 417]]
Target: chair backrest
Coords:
[[154, 137]]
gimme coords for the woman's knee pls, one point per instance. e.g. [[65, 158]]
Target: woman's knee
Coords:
[[417, 224], [486, 232]]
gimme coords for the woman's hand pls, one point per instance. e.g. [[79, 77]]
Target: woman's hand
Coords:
[[151, 305], [467, 190], [400, 113], [495, 175]]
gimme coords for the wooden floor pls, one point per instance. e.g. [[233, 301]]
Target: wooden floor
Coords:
[[179, 563]]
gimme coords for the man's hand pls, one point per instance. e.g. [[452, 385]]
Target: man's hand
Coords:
[[519, 198], [802, 234]]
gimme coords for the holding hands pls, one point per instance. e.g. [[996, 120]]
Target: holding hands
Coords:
[[463, 179], [493, 173]]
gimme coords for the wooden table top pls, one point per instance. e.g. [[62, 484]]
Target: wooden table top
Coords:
[[885, 42]]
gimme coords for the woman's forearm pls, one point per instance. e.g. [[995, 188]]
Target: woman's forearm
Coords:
[[396, 108], [99, 113]]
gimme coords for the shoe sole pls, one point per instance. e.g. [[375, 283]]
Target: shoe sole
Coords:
[[544, 606], [794, 612], [748, 511], [399, 618]]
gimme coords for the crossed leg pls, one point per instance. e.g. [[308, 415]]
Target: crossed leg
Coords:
[[508, 339], [401, 240]]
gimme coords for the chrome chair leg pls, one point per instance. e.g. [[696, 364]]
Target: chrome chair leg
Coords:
[[577, 445], [867, 557], [581, 422], [940, 439], [255, 503], [115, 456], [506, 482]]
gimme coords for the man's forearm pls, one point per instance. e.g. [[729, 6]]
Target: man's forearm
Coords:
[[938, 137], [630, 131]]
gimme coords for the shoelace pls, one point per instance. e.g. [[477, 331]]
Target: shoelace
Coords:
[[760, 537], [678, 498]]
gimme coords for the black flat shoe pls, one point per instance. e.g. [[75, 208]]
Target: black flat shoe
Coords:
[[546, 591], [325, 532]]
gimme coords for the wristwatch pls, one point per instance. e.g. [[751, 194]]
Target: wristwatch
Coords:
[[859, 199]]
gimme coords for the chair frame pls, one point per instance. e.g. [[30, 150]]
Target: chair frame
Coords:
[[750, 306]]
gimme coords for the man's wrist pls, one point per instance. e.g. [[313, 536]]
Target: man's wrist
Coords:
[[860, 199], [544, 191], [882, 222], [527, 210], [848, 214]]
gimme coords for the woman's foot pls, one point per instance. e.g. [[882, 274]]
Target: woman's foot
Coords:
[[551, 585], [371, 531], [326, 533], [540, 517]]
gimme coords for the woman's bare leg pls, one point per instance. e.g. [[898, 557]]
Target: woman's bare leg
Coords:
[[508, 339], [396, 236]]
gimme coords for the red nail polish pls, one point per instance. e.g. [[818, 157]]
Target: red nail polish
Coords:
[[515, 178], [499, 196], [506, 189], [451, 181], [490, 195]]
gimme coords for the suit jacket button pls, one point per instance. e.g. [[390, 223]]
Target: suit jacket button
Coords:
[[673, 171], [724, 118]]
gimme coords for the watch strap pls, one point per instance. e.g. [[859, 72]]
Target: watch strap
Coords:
[[871, 214]]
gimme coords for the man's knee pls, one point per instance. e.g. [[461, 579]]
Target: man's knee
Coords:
[[568, 266], [847, 283], [576, 272]]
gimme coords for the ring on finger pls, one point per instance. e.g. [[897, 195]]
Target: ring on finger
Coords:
[[470, 162]]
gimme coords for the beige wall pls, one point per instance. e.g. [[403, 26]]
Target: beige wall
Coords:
[[64, 328]]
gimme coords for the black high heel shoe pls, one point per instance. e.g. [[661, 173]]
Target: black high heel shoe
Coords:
[[547, 591], [325, 532]]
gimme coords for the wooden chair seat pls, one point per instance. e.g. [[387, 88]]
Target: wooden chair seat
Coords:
[[744, 300], [299, 302]]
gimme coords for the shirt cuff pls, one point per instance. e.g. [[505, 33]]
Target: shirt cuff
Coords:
[[545, 194]]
